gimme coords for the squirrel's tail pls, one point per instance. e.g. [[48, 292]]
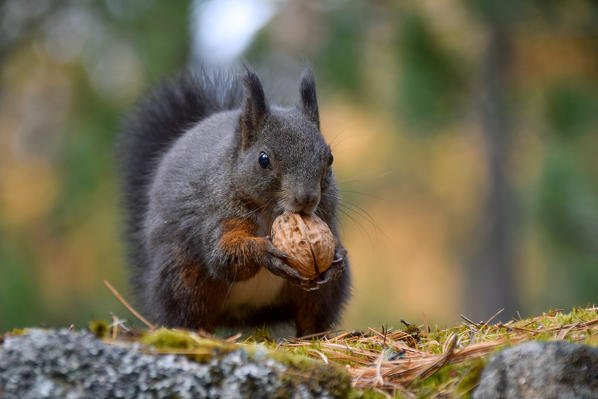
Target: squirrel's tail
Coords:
[[155, 123]]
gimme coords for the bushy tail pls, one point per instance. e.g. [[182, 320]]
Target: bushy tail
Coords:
[[151, 128]]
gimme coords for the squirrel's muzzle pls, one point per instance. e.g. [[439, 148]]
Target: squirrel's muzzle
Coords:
[[304, 201]]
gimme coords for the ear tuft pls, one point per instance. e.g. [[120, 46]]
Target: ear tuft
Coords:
[[309, 101], [254, 108]]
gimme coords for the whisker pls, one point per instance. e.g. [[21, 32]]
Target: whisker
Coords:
[[357, 214], [361, 211], [254, 211], [360, 225], [359, 193], [368, 179]]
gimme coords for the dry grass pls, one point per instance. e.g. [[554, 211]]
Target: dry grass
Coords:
[[397, 361]]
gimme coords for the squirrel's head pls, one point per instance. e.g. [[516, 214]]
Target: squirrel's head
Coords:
[[284, 162]]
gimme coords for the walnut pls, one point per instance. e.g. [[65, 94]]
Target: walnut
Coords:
[[307, 239]]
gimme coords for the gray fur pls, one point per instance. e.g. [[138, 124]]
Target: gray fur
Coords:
[[210, 174]]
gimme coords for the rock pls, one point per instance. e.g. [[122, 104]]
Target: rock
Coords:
[[65, 364], [541, 370]]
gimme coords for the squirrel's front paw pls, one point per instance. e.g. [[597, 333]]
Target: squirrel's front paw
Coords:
[[275, 262], [333, 272]]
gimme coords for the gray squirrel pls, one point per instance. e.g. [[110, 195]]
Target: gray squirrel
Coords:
[[206, 165]]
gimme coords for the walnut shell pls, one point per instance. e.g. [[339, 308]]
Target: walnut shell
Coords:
[[307, 239]]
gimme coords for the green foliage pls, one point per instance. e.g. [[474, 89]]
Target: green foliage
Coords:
[[19, 304], [567, 209], [567, 203], [571, 110], [339, 61], [160, 36], [429, 83], [498, 12]]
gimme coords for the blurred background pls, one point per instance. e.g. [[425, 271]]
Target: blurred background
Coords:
[[464, 134]]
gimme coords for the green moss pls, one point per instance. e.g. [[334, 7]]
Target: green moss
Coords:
[[450, 381], [436, 338], [543, 337], [313, 374], [471, 376], [17, 331], [13, 332], [293, 360], [99, 328], [196, 348], [261, 335], [368, 394], [164, 338]]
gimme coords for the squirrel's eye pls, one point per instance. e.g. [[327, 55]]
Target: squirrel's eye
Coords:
[[264, 160], [330, 159]]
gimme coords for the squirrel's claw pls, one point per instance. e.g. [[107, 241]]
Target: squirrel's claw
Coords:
[[331, 274], [276, 264], [339, 255], [280, 268], [283, 270], [334, 271]]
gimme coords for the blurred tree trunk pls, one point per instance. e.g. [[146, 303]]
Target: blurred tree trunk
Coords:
[[492, 272]]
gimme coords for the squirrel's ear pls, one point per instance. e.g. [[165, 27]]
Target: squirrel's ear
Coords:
[[254, 107], [309, 101]]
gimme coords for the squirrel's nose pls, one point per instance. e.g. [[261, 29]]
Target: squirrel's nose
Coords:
[[305, 202]]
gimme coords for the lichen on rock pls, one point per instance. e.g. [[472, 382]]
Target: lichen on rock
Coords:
[[541, 370], [49, 364]]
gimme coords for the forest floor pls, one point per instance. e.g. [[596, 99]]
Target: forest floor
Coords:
[[411, 362], [414, 361]]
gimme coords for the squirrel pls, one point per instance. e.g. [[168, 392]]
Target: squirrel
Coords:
[[206, 164]]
